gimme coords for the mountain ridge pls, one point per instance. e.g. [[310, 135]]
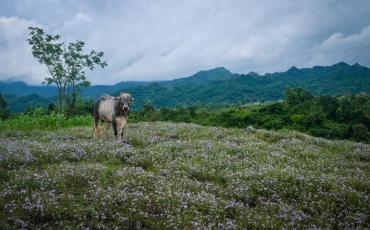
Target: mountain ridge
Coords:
[[219, 86], [209, 74], [338, 79]]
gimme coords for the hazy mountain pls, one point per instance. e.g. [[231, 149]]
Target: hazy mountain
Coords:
[[21, 103], [97, 90], [19, 88], [228, 88], [203, 77], [20, 96], [220, 87]]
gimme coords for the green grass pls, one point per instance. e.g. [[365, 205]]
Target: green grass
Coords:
[[55, 121], [168, 176]]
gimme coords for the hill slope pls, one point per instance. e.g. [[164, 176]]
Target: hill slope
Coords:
[[182, 176]]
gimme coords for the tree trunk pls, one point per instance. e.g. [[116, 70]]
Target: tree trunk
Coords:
[[73, 94], [63, 94], [68, 94], [60, 98]]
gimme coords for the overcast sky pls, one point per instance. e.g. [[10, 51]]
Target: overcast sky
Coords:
[[158, 40]]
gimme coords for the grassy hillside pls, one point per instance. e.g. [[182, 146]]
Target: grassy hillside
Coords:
[[181, 176]]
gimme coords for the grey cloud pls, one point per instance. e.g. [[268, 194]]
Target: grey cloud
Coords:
[[155, 40], [352, 48]]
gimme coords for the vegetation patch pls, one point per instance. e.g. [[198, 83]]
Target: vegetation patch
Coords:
[[205, 177]]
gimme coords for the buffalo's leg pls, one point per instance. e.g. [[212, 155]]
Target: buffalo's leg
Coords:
[[118, 125], [114, 124], [121, 126], [96, 127], [106, 129]]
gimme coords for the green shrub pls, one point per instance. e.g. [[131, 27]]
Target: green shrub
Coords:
[[297, 118], [359, 132]]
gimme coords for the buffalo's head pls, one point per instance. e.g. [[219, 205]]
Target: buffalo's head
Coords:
[[125, 101]]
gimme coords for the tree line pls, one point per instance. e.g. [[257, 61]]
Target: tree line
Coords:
[[333, 117]]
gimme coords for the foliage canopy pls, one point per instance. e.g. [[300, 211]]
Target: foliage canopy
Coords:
[[66, 63]]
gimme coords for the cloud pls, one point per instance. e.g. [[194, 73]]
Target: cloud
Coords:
[[354, 47], [156, 40], [16, 58]]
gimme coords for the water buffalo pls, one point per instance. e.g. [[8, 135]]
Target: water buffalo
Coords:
[[112, 110]]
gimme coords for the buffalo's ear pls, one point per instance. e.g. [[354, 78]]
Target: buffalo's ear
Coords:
[[118, 107], [132, 99]]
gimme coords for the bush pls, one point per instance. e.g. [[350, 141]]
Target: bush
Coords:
[[82, 107], [296, 96], [4, 113], [297, 118], [359, 132], [4, 110]]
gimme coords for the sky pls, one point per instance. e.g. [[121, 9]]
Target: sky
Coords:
[[168, 39]]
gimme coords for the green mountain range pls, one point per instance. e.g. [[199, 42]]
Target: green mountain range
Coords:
[[221, 87]]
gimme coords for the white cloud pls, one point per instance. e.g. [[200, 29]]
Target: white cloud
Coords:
[[16, 58], [152, 40]]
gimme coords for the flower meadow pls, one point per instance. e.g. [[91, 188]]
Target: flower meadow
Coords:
[[181, 176]]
